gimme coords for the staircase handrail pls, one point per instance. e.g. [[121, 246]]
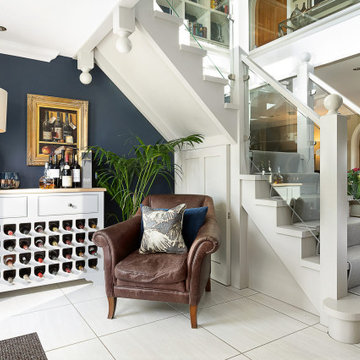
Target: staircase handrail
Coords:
[[347, 102], [288, 95]]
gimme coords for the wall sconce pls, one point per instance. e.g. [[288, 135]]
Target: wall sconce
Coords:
[[3, 109]]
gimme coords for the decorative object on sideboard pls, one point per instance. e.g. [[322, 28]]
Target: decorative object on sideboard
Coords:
[[129, 178], [353, 189], [3, 109], [55, 123], [9, 180]]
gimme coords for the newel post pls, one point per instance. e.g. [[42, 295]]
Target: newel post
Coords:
[[333, 201]]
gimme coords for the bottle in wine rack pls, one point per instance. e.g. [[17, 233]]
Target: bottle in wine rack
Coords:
[[66, 176], [67, 253], [67, 267], [90, 235], [9, 276], [67, 239], [40, 242], [39, 227], [25, 274], [54, 254], [9, 245], [93, 250], [39, 256], [80, 265], [93, 263], [39, 271], [10, 229], [54, 226], [93, 223], [80, 224], [80, 251], [54, 269], [25, 243], [80, 238], [54, 240], [25, 258], [67, 224], [25, 228], [9, 260]]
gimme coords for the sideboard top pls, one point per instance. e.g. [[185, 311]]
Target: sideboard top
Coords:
[[49, 191]]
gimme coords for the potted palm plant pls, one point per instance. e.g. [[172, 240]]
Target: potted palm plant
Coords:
[[129, 179], [353, 177]]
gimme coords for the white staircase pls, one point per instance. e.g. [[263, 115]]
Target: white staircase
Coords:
[[294, 246], [165, 80]]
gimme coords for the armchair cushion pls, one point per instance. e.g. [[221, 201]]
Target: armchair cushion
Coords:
[[162, 230], [156, 268]]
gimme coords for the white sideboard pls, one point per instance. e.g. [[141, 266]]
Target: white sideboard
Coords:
[[27, 208]]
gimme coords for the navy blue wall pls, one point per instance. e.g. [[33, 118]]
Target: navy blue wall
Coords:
[[113, 120]]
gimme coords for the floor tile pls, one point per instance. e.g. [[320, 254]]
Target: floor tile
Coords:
[[243, 292], [167, 339], [321, 328], [246, 324], [307, 344], [89, 350], [129, 313], [218, 295], [56, 327], [29, 300], [239, 357], [82, 290], [286, 309]]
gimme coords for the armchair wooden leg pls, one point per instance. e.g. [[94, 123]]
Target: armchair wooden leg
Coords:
[[193, 316], [112, 307], [208, 285]]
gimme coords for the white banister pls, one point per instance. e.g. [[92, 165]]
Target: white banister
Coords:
[[333, 201], [288, 95]]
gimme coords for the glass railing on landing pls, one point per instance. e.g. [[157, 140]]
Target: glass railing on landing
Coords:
[[270, 20], [283, 147], [207, 26]]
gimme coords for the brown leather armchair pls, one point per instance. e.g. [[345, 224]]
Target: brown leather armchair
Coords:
[[179, 278]]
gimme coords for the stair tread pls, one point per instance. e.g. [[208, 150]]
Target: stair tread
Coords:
[[271, 202], [193, 50], [168, 17], [215, 79], [346, 308], [311, 262], [231, 106], [294, 230]]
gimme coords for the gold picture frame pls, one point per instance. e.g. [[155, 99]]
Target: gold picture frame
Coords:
[[46, 113]]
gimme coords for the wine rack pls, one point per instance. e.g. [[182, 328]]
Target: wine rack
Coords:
[[46, 236]]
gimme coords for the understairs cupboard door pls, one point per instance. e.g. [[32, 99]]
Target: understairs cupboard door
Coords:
[[206, 171]]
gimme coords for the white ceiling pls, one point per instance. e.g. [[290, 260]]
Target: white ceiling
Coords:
[[43, 29]]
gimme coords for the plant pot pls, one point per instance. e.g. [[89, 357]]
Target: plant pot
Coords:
[[354, 208]]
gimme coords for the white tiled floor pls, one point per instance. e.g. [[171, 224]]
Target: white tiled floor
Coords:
[[233, 324]]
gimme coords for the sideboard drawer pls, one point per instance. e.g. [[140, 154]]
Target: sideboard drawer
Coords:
[[68, 204], [12, 207]]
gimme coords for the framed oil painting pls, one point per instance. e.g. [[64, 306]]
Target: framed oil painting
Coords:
[[55, 124]]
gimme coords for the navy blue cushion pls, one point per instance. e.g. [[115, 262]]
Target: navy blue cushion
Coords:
[[194, 219]]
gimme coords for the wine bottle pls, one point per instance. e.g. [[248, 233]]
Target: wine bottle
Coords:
[[9, 229], [9, 260], [39, 257], [54, 254], [93, 263], [80, 265], [80, 251], [46, 128], [80, 224], [25, 243], [54, 226], [90, 235], [39, 242], [25, 274], [53, 241], [39, 271], [67, 239], [68, 132], [25, 228], [76, 173], [67, 267], [93, 250], [67, 253], [66, 177], [93, 223], [67, 225], [9, 276], [54, 269], [25, 258], [39, 228], [61, 164], [54, 171], [80, 238], [58, 128], [9, 245]]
